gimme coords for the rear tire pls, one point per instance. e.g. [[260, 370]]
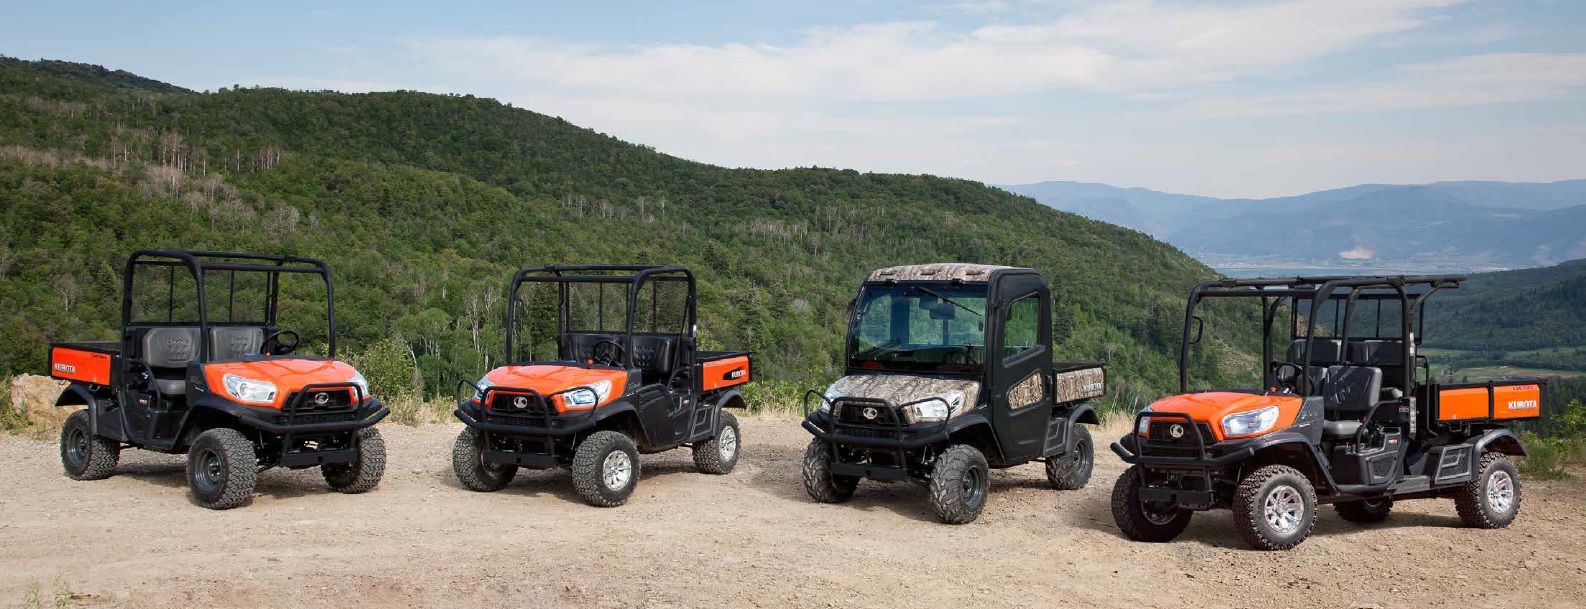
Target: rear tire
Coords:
[[719, 454], [1157, 524], [1365, 511], [606, 469], [468, 462], [1072, 471], [819, 481], [222, 467], [84, 455], [1492, 499], [1275, 508], [364, 474], [960, 479]]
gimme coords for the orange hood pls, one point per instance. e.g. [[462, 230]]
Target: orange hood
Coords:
[[548, 379], [1210, 407], [288, 375]]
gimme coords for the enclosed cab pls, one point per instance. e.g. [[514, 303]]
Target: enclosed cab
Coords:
[[949, 373], [1345, 412], [603, 365], [207, 365]]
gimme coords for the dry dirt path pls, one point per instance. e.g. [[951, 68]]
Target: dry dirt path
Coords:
[[749, 539]]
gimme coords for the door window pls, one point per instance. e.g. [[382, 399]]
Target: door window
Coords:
[[1020, 329]]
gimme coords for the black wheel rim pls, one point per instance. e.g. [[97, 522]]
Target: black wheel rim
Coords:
[[974, 486], [77, 447], [1081, 456], [1158, 513], [209, 471]]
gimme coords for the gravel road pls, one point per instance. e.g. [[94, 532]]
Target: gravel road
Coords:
[[748, 539]]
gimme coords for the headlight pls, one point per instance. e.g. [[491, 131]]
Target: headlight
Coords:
[[361, 382], [937, 407], [481, 387], [249, 390], [832, 395], [1250, 423], [1144, 428], [587, 397]]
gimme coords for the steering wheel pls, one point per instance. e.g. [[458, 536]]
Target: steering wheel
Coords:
[[1288, 375], [608, 352], [274, 345], [966, 354]]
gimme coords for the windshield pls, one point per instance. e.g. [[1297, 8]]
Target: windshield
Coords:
[[919, 328]]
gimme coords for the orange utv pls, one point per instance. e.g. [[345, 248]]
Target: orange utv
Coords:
[[602, 364], [1347, 413], [204, 367]]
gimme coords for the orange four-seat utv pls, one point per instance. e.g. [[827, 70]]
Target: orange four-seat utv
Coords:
[[1347, 413], [204, 367]]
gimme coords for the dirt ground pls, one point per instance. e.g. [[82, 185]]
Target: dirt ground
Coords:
[[748, 539]]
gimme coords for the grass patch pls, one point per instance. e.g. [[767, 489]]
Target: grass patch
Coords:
[[414, 411]]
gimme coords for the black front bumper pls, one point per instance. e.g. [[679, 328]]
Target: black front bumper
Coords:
[[905, 439], [270, 420], [554, 426]]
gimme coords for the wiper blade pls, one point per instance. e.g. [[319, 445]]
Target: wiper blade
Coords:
[[949, 301]]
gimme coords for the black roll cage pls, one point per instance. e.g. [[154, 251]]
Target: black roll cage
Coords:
[[199, 262], [633, 274], [1273, 291]]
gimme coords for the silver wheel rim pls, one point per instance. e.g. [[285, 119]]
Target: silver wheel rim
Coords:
[[1500, 491], [1284, 508], [727, 444], [616, 470], [1163, 515]]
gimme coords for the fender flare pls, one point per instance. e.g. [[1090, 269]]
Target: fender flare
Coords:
[[1318, 472], [1501, 440], [78, 395], [976, 421], [1082, 413], [728, 397]]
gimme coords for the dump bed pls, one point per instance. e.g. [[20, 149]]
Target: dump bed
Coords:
[[81, 362], [1078, 381], [723, 369], [1492, 400]]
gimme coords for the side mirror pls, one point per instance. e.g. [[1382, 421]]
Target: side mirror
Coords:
[[1197, 327]]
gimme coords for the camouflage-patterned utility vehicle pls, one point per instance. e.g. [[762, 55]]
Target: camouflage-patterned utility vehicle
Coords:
[[949, 373]]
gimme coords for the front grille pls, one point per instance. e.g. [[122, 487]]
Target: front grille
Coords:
[[329, 417], [537, 422], [859, 431], [519, 403], [853, 413], [333, 399], [1160, 433]]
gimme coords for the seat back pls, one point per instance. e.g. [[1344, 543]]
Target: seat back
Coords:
[[169, 349], [1385, 354], [653, 355], [1327, 352], [1351, 390], [233, 342]]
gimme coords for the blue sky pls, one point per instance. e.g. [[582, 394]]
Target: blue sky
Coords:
[[1238, 98]]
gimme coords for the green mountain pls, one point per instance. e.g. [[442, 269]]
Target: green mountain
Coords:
[[423, 204], [1521, 310]]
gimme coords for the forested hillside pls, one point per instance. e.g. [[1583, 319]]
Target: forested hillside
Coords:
[[423, 204]]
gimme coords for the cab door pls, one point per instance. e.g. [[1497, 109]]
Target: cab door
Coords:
[[1019, 363]]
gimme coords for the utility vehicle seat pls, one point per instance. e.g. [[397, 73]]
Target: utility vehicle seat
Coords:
[[166, 351], [1385, 354], [1327, 352], [1349, 394], [233, 342], [653, 356]]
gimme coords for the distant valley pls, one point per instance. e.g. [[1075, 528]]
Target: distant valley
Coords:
[[1447, 226]]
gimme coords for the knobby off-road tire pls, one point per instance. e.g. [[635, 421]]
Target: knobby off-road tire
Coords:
[[1492, 499], [84, 455], [960, 480], [468, 462], [819, 482], [1274, 508], [1366, 511], [1072, 470], [1137, 521], [606, 469], [719, 454], [362, 475], [222, 468]]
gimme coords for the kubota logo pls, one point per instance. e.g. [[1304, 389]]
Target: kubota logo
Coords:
[[735, 375], [520, 402], [67, 368], [322, 398], [870, 413], [1523, 405], [1176, 431]]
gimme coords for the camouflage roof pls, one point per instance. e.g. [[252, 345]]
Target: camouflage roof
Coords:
[[937, 272]]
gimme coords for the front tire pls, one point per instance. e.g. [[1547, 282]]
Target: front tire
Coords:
[[960, 479], [1492, 499], [1140, 522], [606, 468], [719, 454], [1274, 508], [1072, 471], [86, 456], [1365, 511], [468, 462], [364, 474], [819, 481], [222, 467]]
